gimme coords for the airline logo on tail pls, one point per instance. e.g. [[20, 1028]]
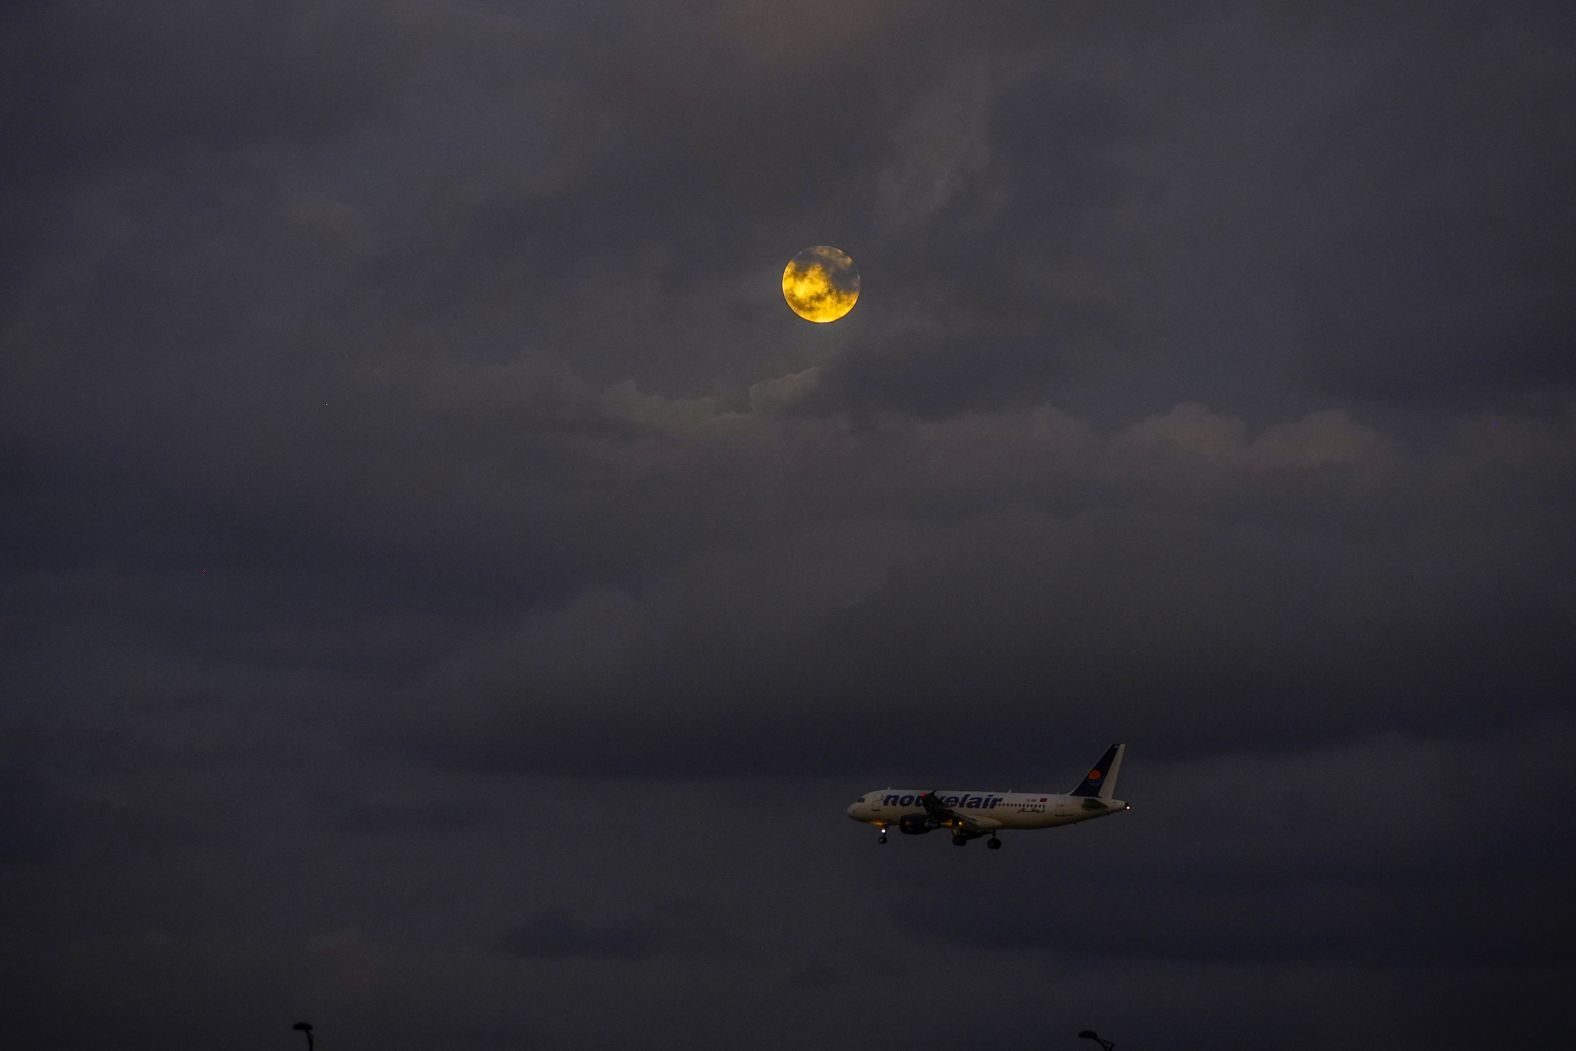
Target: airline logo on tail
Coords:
[[1103, 774]]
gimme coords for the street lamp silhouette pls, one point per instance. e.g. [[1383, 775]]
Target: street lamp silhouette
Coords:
[[1090, 1034], [305, 1027]]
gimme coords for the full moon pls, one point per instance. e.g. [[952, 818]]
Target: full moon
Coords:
[[821, 284]]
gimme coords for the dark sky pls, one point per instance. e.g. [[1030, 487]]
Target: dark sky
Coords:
[[447, 596]]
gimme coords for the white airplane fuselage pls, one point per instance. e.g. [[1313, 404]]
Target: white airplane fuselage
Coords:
[[886, 807]]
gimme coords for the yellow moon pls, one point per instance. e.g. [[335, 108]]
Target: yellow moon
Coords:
[[821, 284]]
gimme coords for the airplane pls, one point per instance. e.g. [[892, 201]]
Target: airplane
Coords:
[[971, 815]]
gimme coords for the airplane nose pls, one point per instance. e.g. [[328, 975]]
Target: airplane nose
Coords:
[[851, 812]]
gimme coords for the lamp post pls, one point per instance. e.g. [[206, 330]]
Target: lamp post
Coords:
[[1090, 1034], [305, 1027]]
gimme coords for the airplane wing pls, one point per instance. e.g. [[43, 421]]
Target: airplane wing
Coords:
[[950, 818]]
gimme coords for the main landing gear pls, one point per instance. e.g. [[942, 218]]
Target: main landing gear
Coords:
[[960, 840]]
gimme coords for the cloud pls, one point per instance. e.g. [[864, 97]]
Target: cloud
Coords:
[[1207, 584], [1441, 272], [1261, 870], [782, 392], [28, 830], [101, 86], [1190, 440], [429, 549], [553, 936], [673, 929], [939, 148]]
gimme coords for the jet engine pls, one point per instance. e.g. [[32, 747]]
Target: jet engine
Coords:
[[915, 824]]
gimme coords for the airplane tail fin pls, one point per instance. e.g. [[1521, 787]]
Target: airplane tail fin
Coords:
[[1101, 781]]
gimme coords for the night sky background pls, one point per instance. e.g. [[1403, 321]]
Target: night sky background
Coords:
[[447, 596]]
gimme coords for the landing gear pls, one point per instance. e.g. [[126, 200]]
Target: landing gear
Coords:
[[960, 840], [881, 838], [993, 843]]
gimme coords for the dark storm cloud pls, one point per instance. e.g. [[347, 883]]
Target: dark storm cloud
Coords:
[[89, 91], [553, 936], [1220, 571], [1447, 266], [1349, 860], [93, 85], [1020, 165], [673, 929], [28, 821], [1382, 217], [1492, 925]]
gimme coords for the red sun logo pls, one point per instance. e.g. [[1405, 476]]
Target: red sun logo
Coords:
[[1094, 775]]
